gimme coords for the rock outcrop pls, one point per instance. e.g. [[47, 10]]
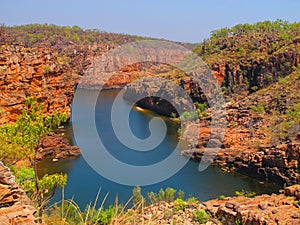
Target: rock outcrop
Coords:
[[15, 208], [260, 210], [57, 147], [33, 72]]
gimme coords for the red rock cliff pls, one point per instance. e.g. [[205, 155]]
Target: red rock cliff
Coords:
[[33, 72]]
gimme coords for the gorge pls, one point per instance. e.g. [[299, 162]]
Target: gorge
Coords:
[[258, 71]]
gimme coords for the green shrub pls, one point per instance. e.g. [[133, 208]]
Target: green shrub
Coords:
[[161, 195], [222, 197], [245, 193], [179, 204], [137, 195], [170, 194], [152, 197], [258, 109], [180, 194], [201, 216], [192, 200]]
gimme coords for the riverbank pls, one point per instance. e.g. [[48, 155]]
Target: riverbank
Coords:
[[264, 209], [280, 208]]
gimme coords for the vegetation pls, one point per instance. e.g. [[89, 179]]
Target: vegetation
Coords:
[[20, 141], [201, 216], [179, 204], [247, 51], [245, 193], [50, 35], [258, 108], [200, 112]]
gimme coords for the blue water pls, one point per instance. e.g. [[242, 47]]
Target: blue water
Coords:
[[84, 183]]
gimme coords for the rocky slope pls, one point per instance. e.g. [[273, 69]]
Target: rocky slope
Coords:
[[262, 136], [261, 210], [251, 56], [15, 206]]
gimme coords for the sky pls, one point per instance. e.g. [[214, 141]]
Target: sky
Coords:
[[185, 20]]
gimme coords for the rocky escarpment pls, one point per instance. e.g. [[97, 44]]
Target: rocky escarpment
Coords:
[[15, 206], [251, 56], [33, 72], [252, 75], [262, 136]]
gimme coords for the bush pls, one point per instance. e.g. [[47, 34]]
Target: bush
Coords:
[[201, 216], [258, 109], [152, 197], [180, 194], [170, 194], [222, 197], [245, 193], [137, 197], [161, 195], [179, 204]]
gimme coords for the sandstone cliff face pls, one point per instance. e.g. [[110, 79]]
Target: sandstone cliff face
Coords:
[[15, 206], [258, 74], [33, 72]]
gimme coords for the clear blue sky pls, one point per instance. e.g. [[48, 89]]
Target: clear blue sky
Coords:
[[185, 20]]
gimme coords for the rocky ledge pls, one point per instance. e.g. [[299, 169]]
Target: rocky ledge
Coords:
[[15, 206], [56, 146], [278, 164], [261, 210]]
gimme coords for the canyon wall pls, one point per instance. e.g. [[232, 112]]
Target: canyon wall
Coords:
[[33, 72]]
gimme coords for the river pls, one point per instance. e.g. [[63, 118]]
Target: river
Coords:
[[84, 183]]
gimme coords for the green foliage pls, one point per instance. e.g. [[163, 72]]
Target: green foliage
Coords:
[[258, 108], [245, 193], [286, 125], [25, 177], [19, 140], [164, 195], [161, 195], [222, 197], [294, 113], [248, 49], [237, 222], [180, 194], [192, 201], [137, 196], [35, 34], [70, 213], [99, 216], [254, 88], [201, 216], [179, 204], [200, 112], [283, 80], [152, 197], [170, 194], [47, 69]]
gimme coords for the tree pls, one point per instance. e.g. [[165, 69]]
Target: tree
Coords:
[[21, 141]]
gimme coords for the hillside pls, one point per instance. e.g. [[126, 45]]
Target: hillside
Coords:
[[251, 56]]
